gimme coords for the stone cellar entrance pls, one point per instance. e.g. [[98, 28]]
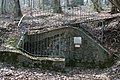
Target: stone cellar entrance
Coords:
[[45, 34], [73, 36]]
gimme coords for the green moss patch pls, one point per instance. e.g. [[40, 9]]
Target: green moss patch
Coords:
[[11, 41]]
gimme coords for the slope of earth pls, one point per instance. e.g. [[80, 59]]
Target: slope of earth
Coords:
[[111, 39]]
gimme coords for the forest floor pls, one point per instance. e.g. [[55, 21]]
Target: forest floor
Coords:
[[111, 41], [8, 72]]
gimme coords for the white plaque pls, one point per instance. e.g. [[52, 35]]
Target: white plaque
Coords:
[[77, 40]]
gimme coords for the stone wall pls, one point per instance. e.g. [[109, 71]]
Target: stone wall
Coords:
[[90, 53], [20, 59]]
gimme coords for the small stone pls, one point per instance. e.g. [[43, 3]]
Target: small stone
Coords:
[[9, 47], [12, 68], [49, 74]]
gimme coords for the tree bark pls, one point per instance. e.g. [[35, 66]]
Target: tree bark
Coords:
[[114, 9], [57, 7], [29, 4], [97, 5], [17, 8], [115, 6], [24, 1], [3, 6], [68, 3], [39, 3], [43, 4]]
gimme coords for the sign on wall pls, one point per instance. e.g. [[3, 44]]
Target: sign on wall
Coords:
[[77, 41]]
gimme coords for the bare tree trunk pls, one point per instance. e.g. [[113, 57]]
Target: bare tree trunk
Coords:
[[97, 5], [24, 1], [29, 3], [115, 6], [114, 9], [87, 1], [68, 3], [17, 8], [43, 5], [115, 3], [3, 6], [39, 4], [56, 6], [106, 2]]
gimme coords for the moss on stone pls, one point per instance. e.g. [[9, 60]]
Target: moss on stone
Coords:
[[11, 41]]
